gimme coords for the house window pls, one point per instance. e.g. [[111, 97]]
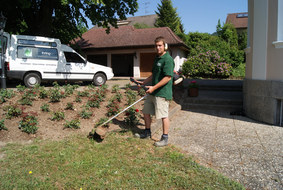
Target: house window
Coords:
[[279, 42], [242, 15]]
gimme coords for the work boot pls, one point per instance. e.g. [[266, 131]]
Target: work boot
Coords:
[[144, 135], [163, 141]]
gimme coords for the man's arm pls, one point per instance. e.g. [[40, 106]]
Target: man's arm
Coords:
[[161, 83], [147, 80]]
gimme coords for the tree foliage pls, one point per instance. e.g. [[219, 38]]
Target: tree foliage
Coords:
[[63, 19], [168, 16], [228, 33]]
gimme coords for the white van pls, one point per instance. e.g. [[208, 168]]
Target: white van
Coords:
[[34, 59]]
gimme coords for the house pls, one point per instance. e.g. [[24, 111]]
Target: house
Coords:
[[129, 51], [263, 84], [239, 20]]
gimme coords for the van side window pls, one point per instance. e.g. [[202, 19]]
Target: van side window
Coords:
[[73, 57], [37, 53], [33, 42]]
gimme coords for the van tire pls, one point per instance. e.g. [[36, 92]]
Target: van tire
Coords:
[[32, 79], [99, 79]]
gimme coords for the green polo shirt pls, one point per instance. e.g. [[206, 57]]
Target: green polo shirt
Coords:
[[163, 66]]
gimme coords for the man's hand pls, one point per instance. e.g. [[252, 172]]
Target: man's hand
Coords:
[[150, 89]]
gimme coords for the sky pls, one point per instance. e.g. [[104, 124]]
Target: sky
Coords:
[[197, 15]]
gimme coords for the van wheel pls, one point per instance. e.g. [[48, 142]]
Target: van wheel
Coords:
[[99, 79], [32, 79]]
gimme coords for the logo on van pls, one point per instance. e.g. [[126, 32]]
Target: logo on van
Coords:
[[45, 53], [28, 52]]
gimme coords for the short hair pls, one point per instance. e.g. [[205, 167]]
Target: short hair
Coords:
[[160, 39]]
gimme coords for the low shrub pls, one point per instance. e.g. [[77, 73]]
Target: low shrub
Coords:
[[112, 108], [2, 125], [85, 113], [132, 117], [12, 111], [45, 107], [208, 64], [69, 106], [239, 71], [101, 121], [73, 124], [6, 94], [57, 116], [28, 124]]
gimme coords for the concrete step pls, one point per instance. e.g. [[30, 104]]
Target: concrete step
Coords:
[[223, 85], [214, 99]]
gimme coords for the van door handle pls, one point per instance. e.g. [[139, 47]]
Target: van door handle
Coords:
[[68, 63]]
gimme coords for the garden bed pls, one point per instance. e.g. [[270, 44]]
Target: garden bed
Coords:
[[50, 126]]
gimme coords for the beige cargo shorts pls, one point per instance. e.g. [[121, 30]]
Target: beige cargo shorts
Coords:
[[157, 106]]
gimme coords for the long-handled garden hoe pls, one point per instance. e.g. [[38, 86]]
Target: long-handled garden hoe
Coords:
[[101, 130]]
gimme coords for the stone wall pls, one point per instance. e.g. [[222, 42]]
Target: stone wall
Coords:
[[263, 100]]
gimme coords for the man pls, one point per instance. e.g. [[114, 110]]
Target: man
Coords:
[[160, 93]]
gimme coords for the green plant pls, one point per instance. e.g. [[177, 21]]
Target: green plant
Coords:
[[83, 94], [132, 117], [208, 64], [43, 93], [28, 96], [85, 113], [2, 125], [69, 106], [128, 86], [12, 111], [117, 97], [69, 89], [141, 92], [21, 88], [78, 99], [73, 124], [45, 107], [112, 108], [28, 124], [55, 93], [95, 100], [115, 88], [239, 71], [131, 96], [101, 121], [6, 93], [58, 115]]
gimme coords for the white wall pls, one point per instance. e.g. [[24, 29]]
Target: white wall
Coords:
[[260, 39]]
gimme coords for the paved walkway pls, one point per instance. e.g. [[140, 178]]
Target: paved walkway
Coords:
[[238, 147]]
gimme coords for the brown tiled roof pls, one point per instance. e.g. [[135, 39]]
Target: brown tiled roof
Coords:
[[127, 36], [238, 22]]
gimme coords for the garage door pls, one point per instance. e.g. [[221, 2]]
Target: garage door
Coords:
[[122, 64], [146, 63]]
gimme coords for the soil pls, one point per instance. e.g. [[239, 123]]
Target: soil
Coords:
[[54, 130]]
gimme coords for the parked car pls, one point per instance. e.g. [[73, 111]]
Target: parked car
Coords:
[[34, 59]]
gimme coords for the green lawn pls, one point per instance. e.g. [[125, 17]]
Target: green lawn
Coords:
[[120, 161]]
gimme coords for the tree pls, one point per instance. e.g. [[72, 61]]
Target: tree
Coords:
[[60, 18], [228, 33], [168, 16]]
